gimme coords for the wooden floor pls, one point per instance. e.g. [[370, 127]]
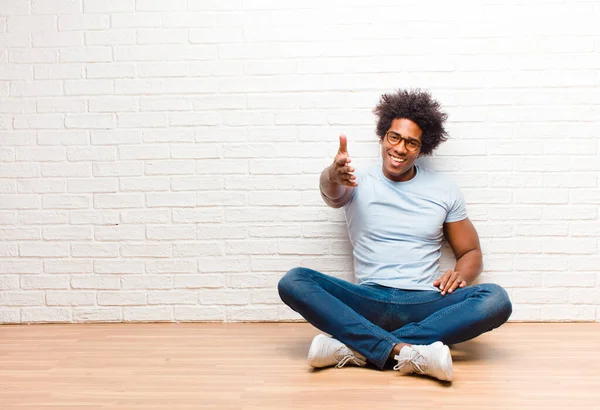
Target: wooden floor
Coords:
[[262, 366]]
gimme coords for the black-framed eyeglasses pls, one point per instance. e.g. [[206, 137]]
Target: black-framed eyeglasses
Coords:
[[411, 144]]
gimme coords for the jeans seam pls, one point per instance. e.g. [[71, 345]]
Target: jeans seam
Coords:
[[446, 311], [370, 326]]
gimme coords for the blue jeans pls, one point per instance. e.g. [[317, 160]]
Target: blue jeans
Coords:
[[372, 319]]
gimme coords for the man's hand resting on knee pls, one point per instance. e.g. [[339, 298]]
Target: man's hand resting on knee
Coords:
[[449, 281]]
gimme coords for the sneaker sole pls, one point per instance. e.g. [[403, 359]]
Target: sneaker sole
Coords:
[[448, 364]]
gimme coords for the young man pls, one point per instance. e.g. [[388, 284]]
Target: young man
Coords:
[[402, 309]]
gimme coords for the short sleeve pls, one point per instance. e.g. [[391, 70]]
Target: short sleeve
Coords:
[[457, 209]]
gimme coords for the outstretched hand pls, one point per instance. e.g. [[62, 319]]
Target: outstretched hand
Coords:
[[340, 172]]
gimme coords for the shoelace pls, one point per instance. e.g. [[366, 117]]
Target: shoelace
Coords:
[[416, 360], [349, 357]]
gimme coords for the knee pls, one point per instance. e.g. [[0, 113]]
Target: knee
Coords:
[[498, 302], [288, 284]]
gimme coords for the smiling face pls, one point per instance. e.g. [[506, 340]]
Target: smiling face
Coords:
[[398, 161]]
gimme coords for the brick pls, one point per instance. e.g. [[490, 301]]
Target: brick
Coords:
[[171, 232], [199, 281], [32, 55], [41, 186], [117, 169], [136, 152], [136, 20], [110, 70], [169, 167], [45, 315], [103, 217], [112, 104], [184, 199], [83, 55], [9, 282], [61, 201], [57, 39], [56, 7], [195, 183], [20, 201], [82, 22], [20, 266], [147, 281], [108, 7], [95, 314], [182, 215], [162, 36], [194, 249], [135, 120], [62, 137], [66, 233], [40, 121], [115, 137], [120, 266], [120, 233], [69, 298], [88, 121], [121, 298], [199, 314], [9, 250], [93, 185], [146, 216], [220, 198], [148, 314], [95, 282], [166, 103], [171, 266], [45, 282], [67, 266], [10, 315], [144, 184], [252, 313], [220, 265], [172, 297], [15, 72], [95, 250], [195, 151], [168, 135], [147, 250], [224, 297], [111, 37], [61, 105], [118, 201], [21, 298]]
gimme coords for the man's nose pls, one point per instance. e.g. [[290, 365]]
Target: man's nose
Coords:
[[401, 146]]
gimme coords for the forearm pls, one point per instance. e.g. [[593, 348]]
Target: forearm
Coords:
[[330, 190], [470, 265]]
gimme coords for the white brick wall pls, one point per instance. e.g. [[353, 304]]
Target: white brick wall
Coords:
[[159, 159]]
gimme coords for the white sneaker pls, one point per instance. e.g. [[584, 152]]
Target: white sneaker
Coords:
[[433, 360], [327, 351]]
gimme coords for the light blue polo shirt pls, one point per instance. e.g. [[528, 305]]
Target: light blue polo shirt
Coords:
[[396, 228]]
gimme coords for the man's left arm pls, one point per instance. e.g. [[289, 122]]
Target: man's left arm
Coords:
[[464, 241]]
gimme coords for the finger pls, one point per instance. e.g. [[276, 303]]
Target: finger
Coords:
[[451, 281], [463, 284], [454, 286], [347, 170], [437, 282], [341, 160], [343, 144], [444, 279]]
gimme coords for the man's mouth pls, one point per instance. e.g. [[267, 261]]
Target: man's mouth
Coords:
[[397, 160]]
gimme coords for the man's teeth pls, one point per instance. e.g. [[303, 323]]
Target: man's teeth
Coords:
[[397, 159]]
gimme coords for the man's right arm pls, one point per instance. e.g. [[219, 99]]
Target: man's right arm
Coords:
[[337, 181]]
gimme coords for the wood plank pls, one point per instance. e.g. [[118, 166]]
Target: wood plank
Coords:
[[262, 366]]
